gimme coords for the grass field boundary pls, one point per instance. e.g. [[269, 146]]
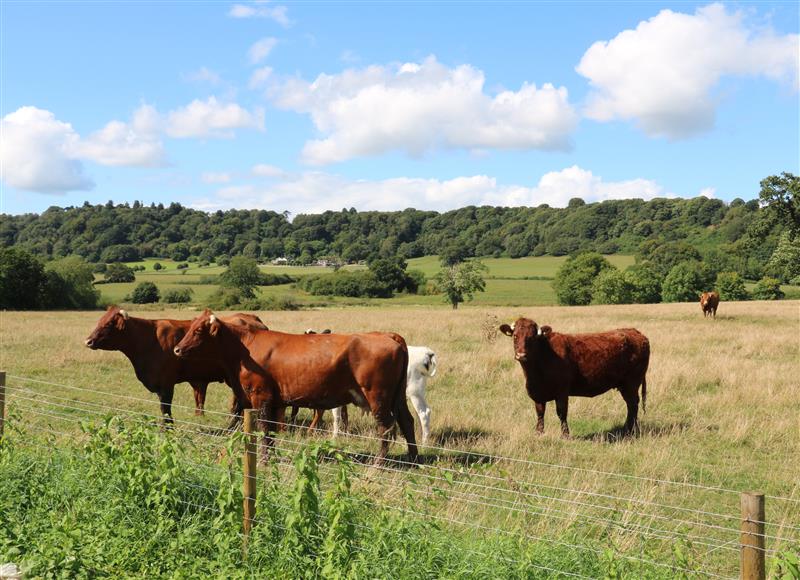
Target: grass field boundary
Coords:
[[477, 454]]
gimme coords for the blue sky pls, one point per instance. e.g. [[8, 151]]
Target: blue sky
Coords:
[[310, 106]]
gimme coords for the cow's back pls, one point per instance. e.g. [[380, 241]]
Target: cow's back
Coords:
[[594, 363]]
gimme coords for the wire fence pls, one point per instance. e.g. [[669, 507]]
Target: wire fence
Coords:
[[572, 507]]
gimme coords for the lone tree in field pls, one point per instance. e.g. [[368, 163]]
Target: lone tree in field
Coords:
[[458, 282], [243, 274]]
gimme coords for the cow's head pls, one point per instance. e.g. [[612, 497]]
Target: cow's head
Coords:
[[110, 330], [525, 334], [429, 363], [200, 337]]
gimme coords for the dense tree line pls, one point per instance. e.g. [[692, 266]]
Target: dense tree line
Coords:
[[120, 233]]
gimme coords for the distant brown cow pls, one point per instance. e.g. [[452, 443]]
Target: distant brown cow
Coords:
[[317, 371], [708, 303], [149, 344], [557, 366]]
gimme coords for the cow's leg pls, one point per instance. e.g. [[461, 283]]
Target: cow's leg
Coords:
[[165, 395], [631, 396], [295, 411], [316, 419], [199, 397], [406, 422], [562, 407], [424, 414], [239, 403], [266, 420], [345, 418], [540, 407], [385, 421]]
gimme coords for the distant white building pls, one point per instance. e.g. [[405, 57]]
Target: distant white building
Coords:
[[280, 262]]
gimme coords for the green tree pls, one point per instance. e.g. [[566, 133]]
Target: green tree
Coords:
[[685, 282], [459, 282], [784, 264], [21, 280], [70, 284], [730, 286], [178, 296], [145, 293], [646, 283], [118, 273], [242, 274], [612, 287], [120, 253], [768, 289], [157, 266], [390, 272], [780, 198], [574, 279]]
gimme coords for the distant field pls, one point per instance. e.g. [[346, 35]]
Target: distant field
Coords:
[[506, 283], [541, 266]]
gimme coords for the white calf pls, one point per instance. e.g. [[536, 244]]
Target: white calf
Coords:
[[421, 366]]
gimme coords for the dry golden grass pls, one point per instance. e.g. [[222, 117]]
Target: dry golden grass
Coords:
[[723, 410]]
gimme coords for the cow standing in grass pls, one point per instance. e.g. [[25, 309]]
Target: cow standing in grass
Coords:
[[557, 366], [318, 371], [149, 345], [709, 301]]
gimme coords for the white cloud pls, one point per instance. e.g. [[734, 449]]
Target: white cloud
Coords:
[[261, 10], [662, 74], [203, 75], [210, 177], [259, 77], [417, 107], [313, 192], [211, 118], [134, 144], [261, 49], [264, 170], [38, 153]]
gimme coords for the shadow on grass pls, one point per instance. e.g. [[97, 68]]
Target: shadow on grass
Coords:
[[617, 433]]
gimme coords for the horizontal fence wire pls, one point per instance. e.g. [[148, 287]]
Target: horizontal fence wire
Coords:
[[444, 469], [446, 449], [482, 494]]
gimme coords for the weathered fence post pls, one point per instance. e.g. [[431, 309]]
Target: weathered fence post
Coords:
[[752, 538], [2, 402], [250, 457]]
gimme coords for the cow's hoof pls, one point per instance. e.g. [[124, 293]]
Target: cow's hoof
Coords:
[[566, 435]]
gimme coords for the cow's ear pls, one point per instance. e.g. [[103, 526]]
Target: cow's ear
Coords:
[[545, 330], [121, 319], [506, 329], [213, 325]]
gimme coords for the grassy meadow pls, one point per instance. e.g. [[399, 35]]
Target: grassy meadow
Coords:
[[723, 410]]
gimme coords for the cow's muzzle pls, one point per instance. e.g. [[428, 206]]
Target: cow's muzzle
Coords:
[[521, 356], [90, 343], [177, 350]]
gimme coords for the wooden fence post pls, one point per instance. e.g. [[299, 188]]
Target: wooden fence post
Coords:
[[2, 402], [752, 538], [249, 463]]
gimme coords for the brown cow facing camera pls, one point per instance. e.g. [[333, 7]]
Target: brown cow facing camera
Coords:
[[557, 366], [316, 371], [148, 344], [708, 303]]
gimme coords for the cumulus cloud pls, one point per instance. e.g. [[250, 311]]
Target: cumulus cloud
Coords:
[[211, 118], [261, 49], [134, 144], [662, 74], [38, 153], [314, 192], [261, 10], [203, 75], [416, 107], [259, 77]]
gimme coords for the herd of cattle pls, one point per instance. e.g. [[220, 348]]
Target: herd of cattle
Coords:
[[376, 371]]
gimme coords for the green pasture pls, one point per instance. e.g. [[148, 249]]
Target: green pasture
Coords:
[[513, 268]]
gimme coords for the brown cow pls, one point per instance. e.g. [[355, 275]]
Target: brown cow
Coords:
[[148, 344], [557, 366], [708, 303], [318, 371]]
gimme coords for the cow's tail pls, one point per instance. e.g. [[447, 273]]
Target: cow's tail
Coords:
[[644, 374], [644, 394]]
